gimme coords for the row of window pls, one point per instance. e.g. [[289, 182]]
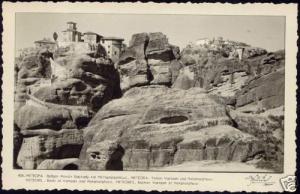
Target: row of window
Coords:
[[115, 53]]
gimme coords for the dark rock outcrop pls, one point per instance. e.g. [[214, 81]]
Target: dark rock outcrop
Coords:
[[253, 87], [268, 126], [30, 70], [226, 77], [41, 144], [266, 91], [48, 133], [147, 61], [60, 91], [83, 80]]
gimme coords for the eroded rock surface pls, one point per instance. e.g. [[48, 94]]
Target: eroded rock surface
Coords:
[[167, 126], [252, 87], [41, 144], [207, 103], [147, 61], [233, 80], [265, 91], [80, 78], [30, 70], [60, 92]]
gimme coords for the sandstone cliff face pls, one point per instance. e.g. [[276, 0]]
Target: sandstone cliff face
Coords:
[[30, 69], [147, 61], [56, 96], [48, 133], [252, 88], [85, 80], [268, 126], [265, 91], [156, 108], [230, 78], [164, 127]]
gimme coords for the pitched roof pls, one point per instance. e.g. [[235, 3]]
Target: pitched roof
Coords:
[[91, 33], [112, 38], [45, 41]]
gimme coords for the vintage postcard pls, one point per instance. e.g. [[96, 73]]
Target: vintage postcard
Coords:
[[149, 96]]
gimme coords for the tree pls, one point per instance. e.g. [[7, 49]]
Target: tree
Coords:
[[55, 36]]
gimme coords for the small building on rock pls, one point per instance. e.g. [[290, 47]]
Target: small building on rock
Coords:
[[91, 37], [71, 34], [45, 44], [113, 47]]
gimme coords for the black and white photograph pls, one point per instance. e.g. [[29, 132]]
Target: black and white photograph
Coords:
[[138, 92], [149, 96]]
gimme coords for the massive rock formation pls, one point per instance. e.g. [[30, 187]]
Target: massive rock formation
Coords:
[[208, 103], [225, 76], [158, 126], [56, 96], [253, 89], [263, 92], [48, 132], [218, 108], [80, 78], [30, 70], [147, 61]]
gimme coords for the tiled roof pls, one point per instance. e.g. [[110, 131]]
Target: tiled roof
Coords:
[[112, 38], [91, 33]]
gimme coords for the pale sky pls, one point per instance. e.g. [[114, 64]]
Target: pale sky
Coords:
[[259, 31]]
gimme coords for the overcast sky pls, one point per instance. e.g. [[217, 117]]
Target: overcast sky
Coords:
[[260, 31]]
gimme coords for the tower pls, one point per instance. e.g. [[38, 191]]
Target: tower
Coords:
[[71, 26], [69, 35]]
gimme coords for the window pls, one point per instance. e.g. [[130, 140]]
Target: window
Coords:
[[115, 52], [108, 52], [102, 41]]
